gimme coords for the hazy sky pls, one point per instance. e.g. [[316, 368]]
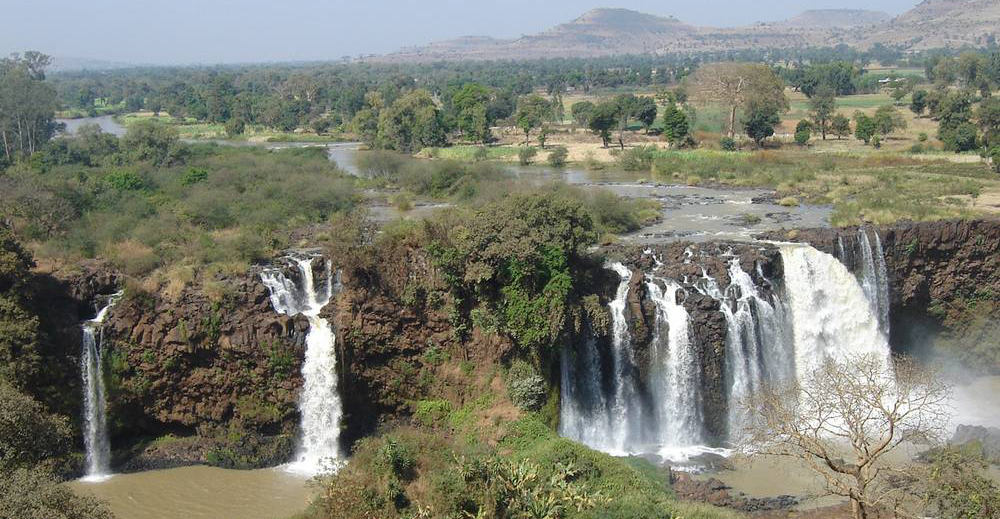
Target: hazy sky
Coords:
[[212, 31]]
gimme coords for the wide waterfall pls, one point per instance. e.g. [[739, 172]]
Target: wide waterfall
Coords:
[[831, 314], [625, 401], [319, 403], [95, 421]]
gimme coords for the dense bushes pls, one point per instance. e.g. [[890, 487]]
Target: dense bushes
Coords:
[[531, 473], [34, 494], [229, 205]]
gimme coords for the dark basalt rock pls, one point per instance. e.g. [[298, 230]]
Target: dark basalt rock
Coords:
[[717, 493]]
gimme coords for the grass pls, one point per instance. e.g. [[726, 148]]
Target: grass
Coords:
[[191, 128], [467, 153], [878, 188]]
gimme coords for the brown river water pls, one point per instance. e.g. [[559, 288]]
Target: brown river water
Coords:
[[202, 493]]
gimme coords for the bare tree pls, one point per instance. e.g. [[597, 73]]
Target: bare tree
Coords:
[[736, 86], [844, 420]]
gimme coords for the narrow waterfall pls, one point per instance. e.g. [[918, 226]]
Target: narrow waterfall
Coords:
[[95, 427], [676, 373], [625, 414], [830, 312], [874, 279], [319, 403], [608, 419]]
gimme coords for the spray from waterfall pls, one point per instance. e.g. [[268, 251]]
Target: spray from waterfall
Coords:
[[319, 403], [96, 444]]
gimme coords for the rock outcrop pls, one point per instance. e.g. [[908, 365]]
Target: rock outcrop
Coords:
[[194, 364]]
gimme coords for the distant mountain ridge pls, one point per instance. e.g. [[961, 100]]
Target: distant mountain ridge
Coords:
[[606, 31], [836, 18]]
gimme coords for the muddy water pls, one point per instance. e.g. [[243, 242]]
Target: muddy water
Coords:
[[202, 493], [972, 404]]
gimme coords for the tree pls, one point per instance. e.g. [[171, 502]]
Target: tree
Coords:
[[736, 86], [888, 119], [644, 111], [803, 132], [603, 119], [472, 116], [675, 125], [27, 105], [846, 418], [532, 111], [964, 137], [410, 123], [235, 127], [918, 102], [153, 141], [821, 108], [988, 117], [557, 157], [840, 126], [760, 124], [864, 127], [581, 112]]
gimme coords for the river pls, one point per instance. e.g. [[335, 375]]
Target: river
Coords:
[[202, 493], [106, 123]]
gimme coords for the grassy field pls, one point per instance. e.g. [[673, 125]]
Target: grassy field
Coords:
[[191, 128]]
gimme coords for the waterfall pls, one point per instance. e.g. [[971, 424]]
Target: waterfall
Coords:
[[625, 414], [609, 419], [874, 279], [319, 403], [95, 426], [676, 373], [830, 311]]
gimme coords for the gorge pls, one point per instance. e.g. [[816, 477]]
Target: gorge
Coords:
[[688, 329]]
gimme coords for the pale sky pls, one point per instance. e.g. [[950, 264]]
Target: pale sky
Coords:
[[229, 31]]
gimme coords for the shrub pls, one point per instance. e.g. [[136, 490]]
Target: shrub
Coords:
[[802, 137], [396, 458], [194, 176], [876, 141], [922, 137], [28, 435], [789, 201], [34, 494], [728, 144], [380, 165], [639, 158], [557, 157], [480, 154], [526, 155], [431, 413], [526, 388]]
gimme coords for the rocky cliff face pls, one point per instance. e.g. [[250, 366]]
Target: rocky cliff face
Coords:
[[223, 367], [208, 367]]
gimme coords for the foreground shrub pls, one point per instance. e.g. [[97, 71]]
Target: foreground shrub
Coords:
[[35, 494]]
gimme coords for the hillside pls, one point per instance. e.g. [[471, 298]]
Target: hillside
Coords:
[[941, 23], [836, 19], [603, 32]]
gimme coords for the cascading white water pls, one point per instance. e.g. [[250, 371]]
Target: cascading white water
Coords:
[[830, 312], [758, 350], [676, 373], [625, 415], [874, 280], [95, 428], [608, 421], [319, 403]]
